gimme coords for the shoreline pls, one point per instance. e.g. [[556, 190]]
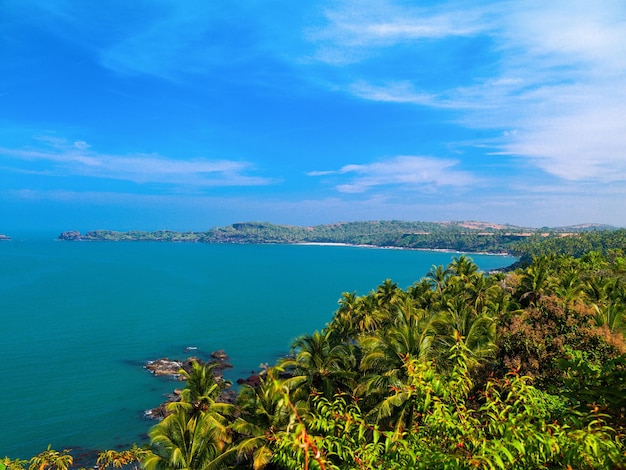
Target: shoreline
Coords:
[[393, 247]]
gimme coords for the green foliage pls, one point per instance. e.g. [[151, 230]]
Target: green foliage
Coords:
[[51, 459], [599, 387], [515, 426], [122, 459], [196, 435], [15, 464], [460, 236], [575, 245]]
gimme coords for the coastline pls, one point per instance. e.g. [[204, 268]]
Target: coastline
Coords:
[[408, 248]]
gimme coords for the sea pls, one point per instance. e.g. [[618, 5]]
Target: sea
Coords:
[[79, 320]]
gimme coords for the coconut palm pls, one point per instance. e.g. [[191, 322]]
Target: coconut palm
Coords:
[[51, 459], [535, 281], [421, 293], [187, 441], [463, 266], [195, 435], [613, 316], [569, 284], [200, 396], [461, 322], [384, 364], [387, 294], [263, 413], [122, 459], [437, 276], [320, 365], [344, 322]]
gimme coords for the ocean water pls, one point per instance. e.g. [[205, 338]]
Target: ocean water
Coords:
[[79, 320]]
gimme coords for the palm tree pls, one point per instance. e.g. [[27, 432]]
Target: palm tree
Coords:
[[195, 435], [384, 363], [613, 316], [598, 288], [481, 291], [12, 464], [535, 281], [438, 275], [569, 285], [51, 459], [463, 266], [187, 441], [200, 396], [122, 459], [461, 322], [263, 413], [387, 294], [344, 321], [320, 365], [421, 293]]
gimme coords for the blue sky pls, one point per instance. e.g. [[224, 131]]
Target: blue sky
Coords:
[[191, 114]]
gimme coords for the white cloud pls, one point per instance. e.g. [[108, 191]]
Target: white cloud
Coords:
[[357, 30], [406, 172], [81, 145], [556, 74], [63, 159]]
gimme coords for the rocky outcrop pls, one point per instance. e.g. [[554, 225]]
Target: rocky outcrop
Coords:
[[253, 381], [165, 366], [71, 235], [169, 367], [221, 360]]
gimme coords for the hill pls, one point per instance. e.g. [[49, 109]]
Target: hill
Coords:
[[466, 236]]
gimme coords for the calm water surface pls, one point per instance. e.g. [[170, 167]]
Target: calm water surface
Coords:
[[80, 319]]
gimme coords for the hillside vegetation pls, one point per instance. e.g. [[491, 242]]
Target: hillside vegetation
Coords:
[[458, 236]]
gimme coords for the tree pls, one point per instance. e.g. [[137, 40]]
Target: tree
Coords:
[[263, 415], [51, 459], [122, 459], [461, 322], [535, 281], [186, 441], [319, 365], [195, 436]]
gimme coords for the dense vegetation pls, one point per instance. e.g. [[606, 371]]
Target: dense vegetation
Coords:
[[524, 369], [461, 236]]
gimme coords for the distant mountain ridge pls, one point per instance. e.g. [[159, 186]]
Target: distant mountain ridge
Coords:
[[451, 235]]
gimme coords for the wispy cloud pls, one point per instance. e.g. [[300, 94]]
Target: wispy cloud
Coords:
[[357, 30], [553, 79], [61, 159], [404, 172]]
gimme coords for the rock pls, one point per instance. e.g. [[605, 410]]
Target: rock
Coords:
[[220, 366], [220, 355], [164, 366], [227, 396], [71, 235], [160, 411], [253, 381]]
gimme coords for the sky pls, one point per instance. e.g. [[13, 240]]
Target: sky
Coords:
[[186, 115]]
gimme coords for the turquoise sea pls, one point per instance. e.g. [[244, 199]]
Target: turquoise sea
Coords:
[[78, 321]]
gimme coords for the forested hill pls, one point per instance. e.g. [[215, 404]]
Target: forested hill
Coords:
[[466, 236]]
